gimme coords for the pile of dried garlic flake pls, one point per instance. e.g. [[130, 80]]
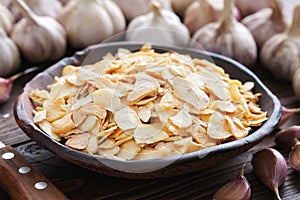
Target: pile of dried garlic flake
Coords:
[[144, 105]]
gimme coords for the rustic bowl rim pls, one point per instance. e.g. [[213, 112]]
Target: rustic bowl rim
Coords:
[[27, 125]]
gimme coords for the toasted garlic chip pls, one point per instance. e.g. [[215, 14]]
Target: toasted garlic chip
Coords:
[[146, 105], [182, 119], [148, 134], [126, 118]]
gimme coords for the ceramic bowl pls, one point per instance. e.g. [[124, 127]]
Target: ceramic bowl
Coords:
[[154, 168]]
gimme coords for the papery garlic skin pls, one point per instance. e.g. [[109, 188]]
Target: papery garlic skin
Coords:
[[281, 53], [248, 7], [270, 167], [237, 189], [159, 26], [10, 57], [202, 12], [294, 156], [91, 21], [138, 7], [266, 23], [227, 37], [180, 6], [296, 83], [286, 137], [51, 8], [39, 38], [6, 19]]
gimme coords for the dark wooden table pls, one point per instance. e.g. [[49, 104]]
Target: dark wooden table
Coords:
[[79, 183]]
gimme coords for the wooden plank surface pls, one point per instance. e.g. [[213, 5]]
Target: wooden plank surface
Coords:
[[79, 183]]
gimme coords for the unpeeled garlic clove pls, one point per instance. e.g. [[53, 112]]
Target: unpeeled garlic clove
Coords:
[[294, 156], [237, 189], [286, 114], [286, 137], [270, 168]]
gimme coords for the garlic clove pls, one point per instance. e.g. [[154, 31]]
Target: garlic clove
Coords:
[[266, 23], [286, 114], [286, 137], [281, 53], [294, 156], [6, 19], [237, 189], [159, 26], [5, 89], [104, 18], [227, 37], [270, 168], [39, 38], [6, 84]]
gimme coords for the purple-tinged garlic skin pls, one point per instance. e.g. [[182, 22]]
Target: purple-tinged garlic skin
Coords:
[[294, 156], [270, 168], [286, 137], [237, 189]]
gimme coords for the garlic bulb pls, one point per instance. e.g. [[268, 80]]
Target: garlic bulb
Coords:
[[247, 7], [6, 19], [159, 26], [265, 23], [91, 21], [39, 38], [281, 53], [139, 7], [179, 6], [10, 56], [202, 12], [227, 37]]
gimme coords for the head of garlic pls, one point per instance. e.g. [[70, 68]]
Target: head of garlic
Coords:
[[39, 38], [91, 21], [159, 26], [266, 22], [6, 19], [10, 56], [139, 7], [227, 37], [281, 53], [202, 12]]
